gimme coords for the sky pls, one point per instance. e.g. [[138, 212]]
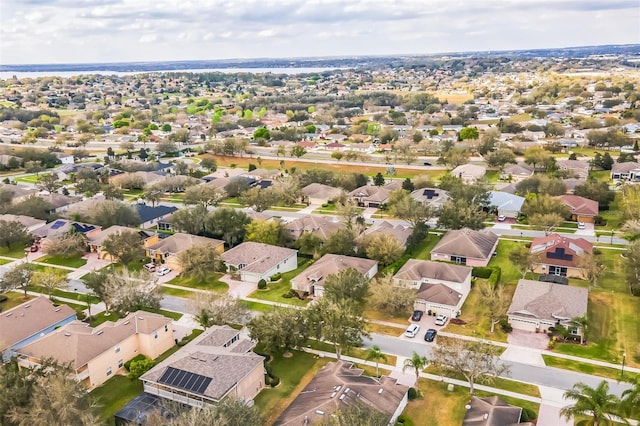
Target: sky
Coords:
[[89, 31]]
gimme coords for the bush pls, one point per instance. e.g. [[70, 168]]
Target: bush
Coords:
[[528, 415], [494, 278], [275, 277], [413, 394], [505, 326], [138, 368], [481, 272], [81, 315], [267, 380], [3, 298], [291, 293], [136, 358], [262, 284], [275, 381]]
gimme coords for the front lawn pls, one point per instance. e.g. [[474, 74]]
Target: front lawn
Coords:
[[80, 297], [257, 306], [510, 273], [187, 294], [114, 394], [14, 299], [275, 291], [15, 252], [294, 373], [583, 367], [211, 282], [74, 262]]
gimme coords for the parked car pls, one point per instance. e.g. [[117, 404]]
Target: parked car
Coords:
[[502, 218], [412, 330], [33, 248], [163, 271], [417, 316], [430, 335], [441, 319], [151, 267], [426, 163], [581, 225]]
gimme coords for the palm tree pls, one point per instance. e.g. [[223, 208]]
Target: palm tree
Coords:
[[631, 397], [374, 353], [417, 362], [583, 322], [596, 403]]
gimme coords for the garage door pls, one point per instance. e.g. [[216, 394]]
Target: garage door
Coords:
[[420, 305], [523, 324]]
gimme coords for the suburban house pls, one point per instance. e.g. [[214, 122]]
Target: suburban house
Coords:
[[577, 167], [508, 205], [150, 216], [29, 223], [466, 247], [168, 249], [340, 384], [441, 287], [146, 178], [629, 171], [370, 195], [256, 261], [560, 255], [469, 173], [59, 202], [60, 227], [536, 306], [491, 411], [317, 193], [517, 172], [96, 354], [312, 279], [97, 239], [433, 197], [18, 192], [29, 321], [400, 232], [215, 365], [582, 209], [320, 226]]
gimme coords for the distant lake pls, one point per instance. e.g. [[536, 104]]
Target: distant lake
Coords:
[[290, 71]]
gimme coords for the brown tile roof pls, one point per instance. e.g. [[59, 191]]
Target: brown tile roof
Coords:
[[329, 264], [30, 318], [467, 243], [548, 301], [78, 343], [580, 205], [416, 270], [180, 242], [257, 257], [325, 394]]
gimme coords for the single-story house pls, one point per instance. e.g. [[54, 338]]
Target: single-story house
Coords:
[[370, 195], [517, 172], [469, 173], [466, 247], [433, 197], [318, 193], [168, 250], [28, 322], [96, 354], [312, 279], [339, 384], [537, 305], [491, 411], [215, 365], [506, 204], [18, 192], [150, 216], [582, 209], [629, 171], [256, 261], [400, 232], [578, 167], [95, 240], [63, 226], [29, 223], [59, 202], [440, 287], [320, 226], [560, 255]]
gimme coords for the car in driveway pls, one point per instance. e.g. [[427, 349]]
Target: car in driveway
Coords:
[[412, 330], [502, 218], [417, 316], [430, 335], [151, 267], [581, 225], [441, 319], [163, 271]]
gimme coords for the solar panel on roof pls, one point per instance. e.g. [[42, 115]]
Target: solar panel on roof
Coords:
[[181, 379], [58, 224]]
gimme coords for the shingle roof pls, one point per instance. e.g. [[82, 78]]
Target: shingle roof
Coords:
[[548, 301], [321, 226], [179, 242], [399, 232], [467, 243], [491, 411], [148, 213], [438, 293], [505, 201], [330, 264], [625, 167], [318, 190], [257, 257], [416, 270], [580, 205]]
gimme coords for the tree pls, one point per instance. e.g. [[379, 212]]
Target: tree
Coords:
[[537, 157], [407, 185], [216, 308], [390, 299], [190, 221], [597, 191], [13, 232], [500, 158], [596, 403], [200, 261], [112, 192], [402, 205], [351, 216], [631, 397], [33, 206], [357, 414], [259, 199], [229, 224], [378, 179], [417, 363], [309, 243], [297, 151], [280, 329], [544, 204], [477, 362], [51, 281], [33, 167], [339, 323], [496, 302], [468, 133], [166, 146], [337, 155], [346, 284], [228, 412], [460, 214], [547, 222], [236, 186], [209, 164], [18, 278], [384, 248], [262, 133], [340, 242], [267, 232], [153, 195], [523, 259], [203, 195], [49, 182], [67, 245], [124, 291], [375, 354], [592, 267], [455, 157], [123, 247], [632, 267], [110, 212]]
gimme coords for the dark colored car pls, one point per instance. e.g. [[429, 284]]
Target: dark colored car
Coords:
[[430, 335], [426, 163], [417, 316]]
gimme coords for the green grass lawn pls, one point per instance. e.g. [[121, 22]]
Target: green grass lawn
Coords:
[[353, 352], [423, 251], [112, 316], [212, 282], [14, 299], [74, 262], [582, 367], [5, 261], [114, 394], [601, 175], [65, 294], [15, 252], [294, 373], [275, 290], [510, 273], [32, 179], [258, 307], [187, 294]]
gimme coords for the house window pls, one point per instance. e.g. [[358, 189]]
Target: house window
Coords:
[[109, 372], [117, 348], [166, 328], [155, 335], [559, 271], [120, 363], [459, 260]]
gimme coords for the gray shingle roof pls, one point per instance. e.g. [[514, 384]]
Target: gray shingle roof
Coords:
[[548, 301], [416, 270], [467, 243]]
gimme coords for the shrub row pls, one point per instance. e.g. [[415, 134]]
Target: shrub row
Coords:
[[492, 273]]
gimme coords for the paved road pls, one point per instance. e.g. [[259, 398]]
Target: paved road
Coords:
[[542, 376]]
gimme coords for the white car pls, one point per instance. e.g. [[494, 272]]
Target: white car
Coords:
[[150, 267], [441, 319], [412, 330], [581, 225], [163, 271], [502, 218]]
